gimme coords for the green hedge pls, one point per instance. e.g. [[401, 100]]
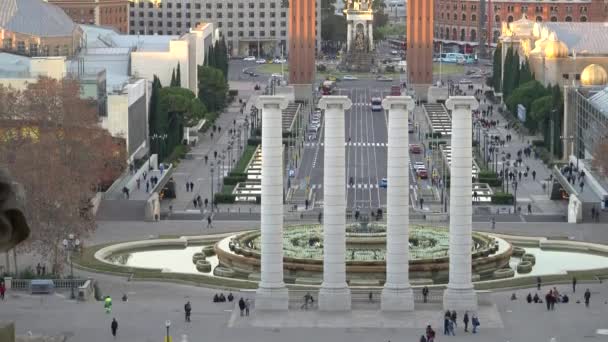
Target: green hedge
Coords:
[[502, 198], [238, 174], [490, 181], [178, 153], [434, 135], [538, 143], [241, 165], [233, 92], [234, 180], [221, 198], [228, 189], [254, 141], [487, 174]]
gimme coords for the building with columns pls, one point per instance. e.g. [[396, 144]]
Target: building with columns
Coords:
[[420, 45]]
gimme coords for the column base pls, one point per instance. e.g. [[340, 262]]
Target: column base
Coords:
[[397, 299], [460, 299], [272, 299], [334, 299]]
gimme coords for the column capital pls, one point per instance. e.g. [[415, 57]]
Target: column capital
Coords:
[[333, 101], [272, 101], [462, 102], [398, 102]]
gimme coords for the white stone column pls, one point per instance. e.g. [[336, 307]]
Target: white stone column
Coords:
[[370, 34], [460, 294], [397, 294], [272, 293], [334, 294], [349, 35]]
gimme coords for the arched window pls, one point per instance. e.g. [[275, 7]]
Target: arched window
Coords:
[[441, 33], [454, 34], [510, 18], [553, 18], [463, 35], [473, 35], [473, 17], [497, 18], [583, 19], [496, 36], [455, 17], [568, 18], [464, 17], [539, 19]]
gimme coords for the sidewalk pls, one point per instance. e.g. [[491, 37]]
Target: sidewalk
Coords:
[[194, 169]]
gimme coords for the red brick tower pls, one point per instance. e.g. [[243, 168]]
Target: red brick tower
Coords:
[[420, 44]]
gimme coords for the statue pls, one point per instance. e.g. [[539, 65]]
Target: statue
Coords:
[[13, 225], [358, 5]]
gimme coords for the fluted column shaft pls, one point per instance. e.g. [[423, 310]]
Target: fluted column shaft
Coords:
[[334, 294], [272, 293]]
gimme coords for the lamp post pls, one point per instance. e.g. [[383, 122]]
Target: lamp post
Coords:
[[168, 325], [71, 244], [515, 196], [572, 152], [211, 166]]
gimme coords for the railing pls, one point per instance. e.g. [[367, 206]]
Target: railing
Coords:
[[24, 284]]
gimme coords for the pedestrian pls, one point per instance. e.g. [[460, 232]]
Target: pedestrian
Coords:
[[247, 306], [454, 317], [447, 318], [188, 310], [194, 202], [548, 298], [199, 202], [206, 202], [147, 186], [475, 197], [574, 285], [587, 297], [582, 185], [475, 323], [538, 282], [529, 208], [206, 159], [306, 204], [38, 269], [493, 223], [320, 218], [421, 202], [114, 327], [370, 296], [138, 183], [44, 268], [425, 293], [533, 175], [145, 174], [242, 306], [209, 222], [2, 290]]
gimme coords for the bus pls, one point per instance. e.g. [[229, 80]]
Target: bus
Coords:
[[460, 58]]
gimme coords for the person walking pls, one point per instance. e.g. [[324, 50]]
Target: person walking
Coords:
[[453, 317], [493, 223], [247, 306], [114, 327], [533, 175], [425, 293], [242, 306], [529, 208], [475, 323], [465, 320], [2, 290], [538, 282], [209, 225], [587, 297], [188, 310], [574, 285]]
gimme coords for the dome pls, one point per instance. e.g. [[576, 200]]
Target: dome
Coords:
[[522, 27], [594, 75], [554, 48]]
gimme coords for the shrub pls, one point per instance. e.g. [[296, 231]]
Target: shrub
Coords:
[[233, 92], [321, 68], [502, 198], [254, 141], [221, 198], [494, 182], [234, 180], [241, 165], [538, 143], [390, 68], [179, 152]]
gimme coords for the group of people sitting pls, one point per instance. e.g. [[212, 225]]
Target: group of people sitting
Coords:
[[219, 298]]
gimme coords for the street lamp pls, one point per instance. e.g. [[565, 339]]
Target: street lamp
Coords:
[[211, 166], [515, 196], [168, 325], [71, 244]]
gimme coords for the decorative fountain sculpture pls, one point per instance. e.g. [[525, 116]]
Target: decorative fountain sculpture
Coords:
[[360, 39]]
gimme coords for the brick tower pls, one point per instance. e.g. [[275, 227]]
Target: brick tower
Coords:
[[420, 45], [302, 37]]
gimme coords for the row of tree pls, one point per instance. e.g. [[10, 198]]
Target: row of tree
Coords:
[[544, 104], [217, 57]]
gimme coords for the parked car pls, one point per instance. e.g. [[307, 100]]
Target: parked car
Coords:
[[419, 165], [394, 52], [384, 79], [383, 183], [415, 149], [422, 173], [349, 78], [261, 61], [279, 60], [249, 58]]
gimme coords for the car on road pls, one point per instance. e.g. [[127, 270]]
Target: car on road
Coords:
[[376, 104], [422, 173], [476, 76], [395, 90], [249, 58], [419, 165], [261, 61], [349, 78], [279, 60], [394, 52], [252, 74], [384, 79], [410, 127], [415, 148], [382, 183]]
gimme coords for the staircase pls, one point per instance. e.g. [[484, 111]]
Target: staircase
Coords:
[[358, 61]]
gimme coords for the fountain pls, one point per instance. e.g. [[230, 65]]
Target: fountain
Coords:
[[360, 39]]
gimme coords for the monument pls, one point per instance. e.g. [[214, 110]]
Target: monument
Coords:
[[302, 39], [334, 293], [359, 35], [419, 45]]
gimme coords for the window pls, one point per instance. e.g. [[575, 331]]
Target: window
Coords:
[[568, 18], [251, 15], [251, 5], [230, 24], [169, 15], [251, 24], [240, 15], [473, 17], [229, 33], [240, 33], [218, 15], [240, 24], [273, 5], [464, 17], [229, 5], [188, 6], [539, 19], [178, 14], [262, 14], [218, 5], [197, 6], [208, 6], [262, 24], [583, 19], [240, 5], [251, 33], [229, 15], [262, 33], [33, 49], [273, 33], [132, 23], [283, 24], [272, 14], [178, 24]]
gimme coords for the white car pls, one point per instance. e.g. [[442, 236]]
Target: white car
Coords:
[[349, 77], [249, 58], [279, 60], [276, 76], [419, 165], [261, 61]]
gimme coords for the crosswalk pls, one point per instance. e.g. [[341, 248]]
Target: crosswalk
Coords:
[[349, 186], [350, 144]]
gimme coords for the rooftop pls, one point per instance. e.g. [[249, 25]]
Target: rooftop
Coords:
[[600, 100], [35, 17], [589, 38]]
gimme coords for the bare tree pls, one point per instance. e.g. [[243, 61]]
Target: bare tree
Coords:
[[51, 141]]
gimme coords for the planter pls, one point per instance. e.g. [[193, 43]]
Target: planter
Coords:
[[529, 257], [224, 272], [208, 251], [503, 273], [197, 257], [518, 251], [203, 266], [524, 267]]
